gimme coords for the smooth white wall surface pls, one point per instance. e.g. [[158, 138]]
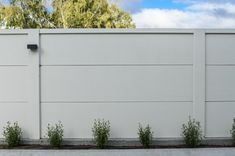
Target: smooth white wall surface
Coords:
[[116, 83], [165, 118], [73, 49], [157, 77], [13, 49], [15, 83], [124, 78], [220, 48], [219, 116], [220, 84]]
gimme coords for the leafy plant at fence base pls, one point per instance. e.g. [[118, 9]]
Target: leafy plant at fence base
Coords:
[[145, 135], [55, 134], [12, 134], [101, 130], [192, 133], [232, 131]]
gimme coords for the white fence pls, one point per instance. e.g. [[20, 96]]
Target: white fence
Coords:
[[159, 77]]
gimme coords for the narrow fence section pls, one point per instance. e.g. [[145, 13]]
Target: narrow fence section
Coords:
[[156, 77]]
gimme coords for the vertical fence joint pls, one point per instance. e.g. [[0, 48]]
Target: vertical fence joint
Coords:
[[199, 78]]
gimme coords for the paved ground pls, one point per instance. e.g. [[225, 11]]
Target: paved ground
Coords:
[[150, 152]]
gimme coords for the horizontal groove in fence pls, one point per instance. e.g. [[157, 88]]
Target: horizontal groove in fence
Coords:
[[117, 65], [110, 101]]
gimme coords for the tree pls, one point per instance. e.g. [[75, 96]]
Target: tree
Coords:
[[25, 14], [89, 14], [64, 14]]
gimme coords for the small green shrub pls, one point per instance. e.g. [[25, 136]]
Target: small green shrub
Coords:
[[192, 133], [232, 131], [55, 134], [100, 130], [145, 135], [12, 134]]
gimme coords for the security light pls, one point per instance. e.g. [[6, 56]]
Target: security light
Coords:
[[32, 47]]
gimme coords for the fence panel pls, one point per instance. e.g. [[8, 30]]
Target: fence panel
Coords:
[[126, 78], [18, 85]]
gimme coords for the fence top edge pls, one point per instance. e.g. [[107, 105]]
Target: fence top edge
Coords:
[[134, 31], [118, 31]]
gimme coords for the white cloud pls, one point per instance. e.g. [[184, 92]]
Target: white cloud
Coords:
[[226, 7], [196, 15]]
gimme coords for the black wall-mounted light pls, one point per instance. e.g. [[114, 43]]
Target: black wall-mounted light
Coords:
[[32, 47]]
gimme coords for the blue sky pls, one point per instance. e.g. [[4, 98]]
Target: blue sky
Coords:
[[165, 4], [180, 13], [133, 6]]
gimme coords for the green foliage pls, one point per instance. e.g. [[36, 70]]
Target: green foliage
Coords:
[[55, 134], [145, 135], [89, 14], [25, 14], [232, 131], [100, 130], [65, 14], [192, 133], [12, 134]]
